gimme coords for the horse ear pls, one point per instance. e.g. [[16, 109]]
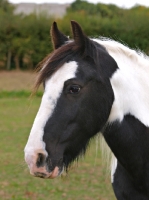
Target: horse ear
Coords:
[[79, 37], [58, 38]]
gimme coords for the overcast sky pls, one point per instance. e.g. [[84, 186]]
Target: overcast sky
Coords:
[[121, 3]]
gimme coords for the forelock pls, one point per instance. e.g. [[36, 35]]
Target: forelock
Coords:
[[65, 53]]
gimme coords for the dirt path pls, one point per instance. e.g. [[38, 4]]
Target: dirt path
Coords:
[[16, 80]]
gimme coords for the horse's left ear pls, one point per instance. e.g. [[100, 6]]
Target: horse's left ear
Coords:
[[79, 37], [58, 38]]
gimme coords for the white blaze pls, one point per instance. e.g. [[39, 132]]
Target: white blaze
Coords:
[[53, 90]]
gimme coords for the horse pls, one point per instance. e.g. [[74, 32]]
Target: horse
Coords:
[[93, 86]]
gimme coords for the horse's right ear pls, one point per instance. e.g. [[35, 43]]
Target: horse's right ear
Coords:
[[79, 37], [58, 38]]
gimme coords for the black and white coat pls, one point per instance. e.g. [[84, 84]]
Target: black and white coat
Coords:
[[93, 86]]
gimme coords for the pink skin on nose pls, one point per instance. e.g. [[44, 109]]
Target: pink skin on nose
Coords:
[[36, 171]]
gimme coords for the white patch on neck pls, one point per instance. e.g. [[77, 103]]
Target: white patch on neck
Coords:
[[131, 91], [53, 90], [130, 82]]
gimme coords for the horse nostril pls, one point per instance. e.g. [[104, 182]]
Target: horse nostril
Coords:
[[40, 160]]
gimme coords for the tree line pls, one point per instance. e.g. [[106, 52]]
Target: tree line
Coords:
[[25, 39]]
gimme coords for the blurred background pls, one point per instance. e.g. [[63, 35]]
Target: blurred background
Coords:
[[24, 42], [24, 28]]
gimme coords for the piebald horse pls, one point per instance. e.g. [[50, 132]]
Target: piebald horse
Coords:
[[92, 86]]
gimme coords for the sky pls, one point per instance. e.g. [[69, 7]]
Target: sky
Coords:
[[120, 3]]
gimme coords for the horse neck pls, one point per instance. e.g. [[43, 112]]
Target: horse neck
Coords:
[[125, 57], [130, 83]]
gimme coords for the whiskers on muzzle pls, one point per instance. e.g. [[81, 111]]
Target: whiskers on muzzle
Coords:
[[23, 165]]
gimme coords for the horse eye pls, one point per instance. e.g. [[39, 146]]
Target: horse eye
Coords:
[[74, 89]]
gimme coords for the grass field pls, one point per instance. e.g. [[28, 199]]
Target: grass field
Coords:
[[87, 180]]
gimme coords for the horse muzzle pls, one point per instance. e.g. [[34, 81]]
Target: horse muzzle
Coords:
[[41, 167], [41, 172]]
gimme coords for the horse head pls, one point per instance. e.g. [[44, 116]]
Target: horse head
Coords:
[[75, 105]]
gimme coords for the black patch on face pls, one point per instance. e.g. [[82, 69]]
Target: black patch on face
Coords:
[[78, 117]]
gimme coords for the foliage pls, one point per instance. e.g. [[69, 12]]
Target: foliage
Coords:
[[25, 40], [6, 7], [100, 10]]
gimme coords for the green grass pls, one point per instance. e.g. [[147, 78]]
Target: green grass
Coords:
[[87, 181], [17, 94]]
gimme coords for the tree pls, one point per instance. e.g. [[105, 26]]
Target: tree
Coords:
[[6, 31]]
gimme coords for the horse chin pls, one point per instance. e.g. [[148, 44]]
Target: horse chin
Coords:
[[56, 172], [43, 173]]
